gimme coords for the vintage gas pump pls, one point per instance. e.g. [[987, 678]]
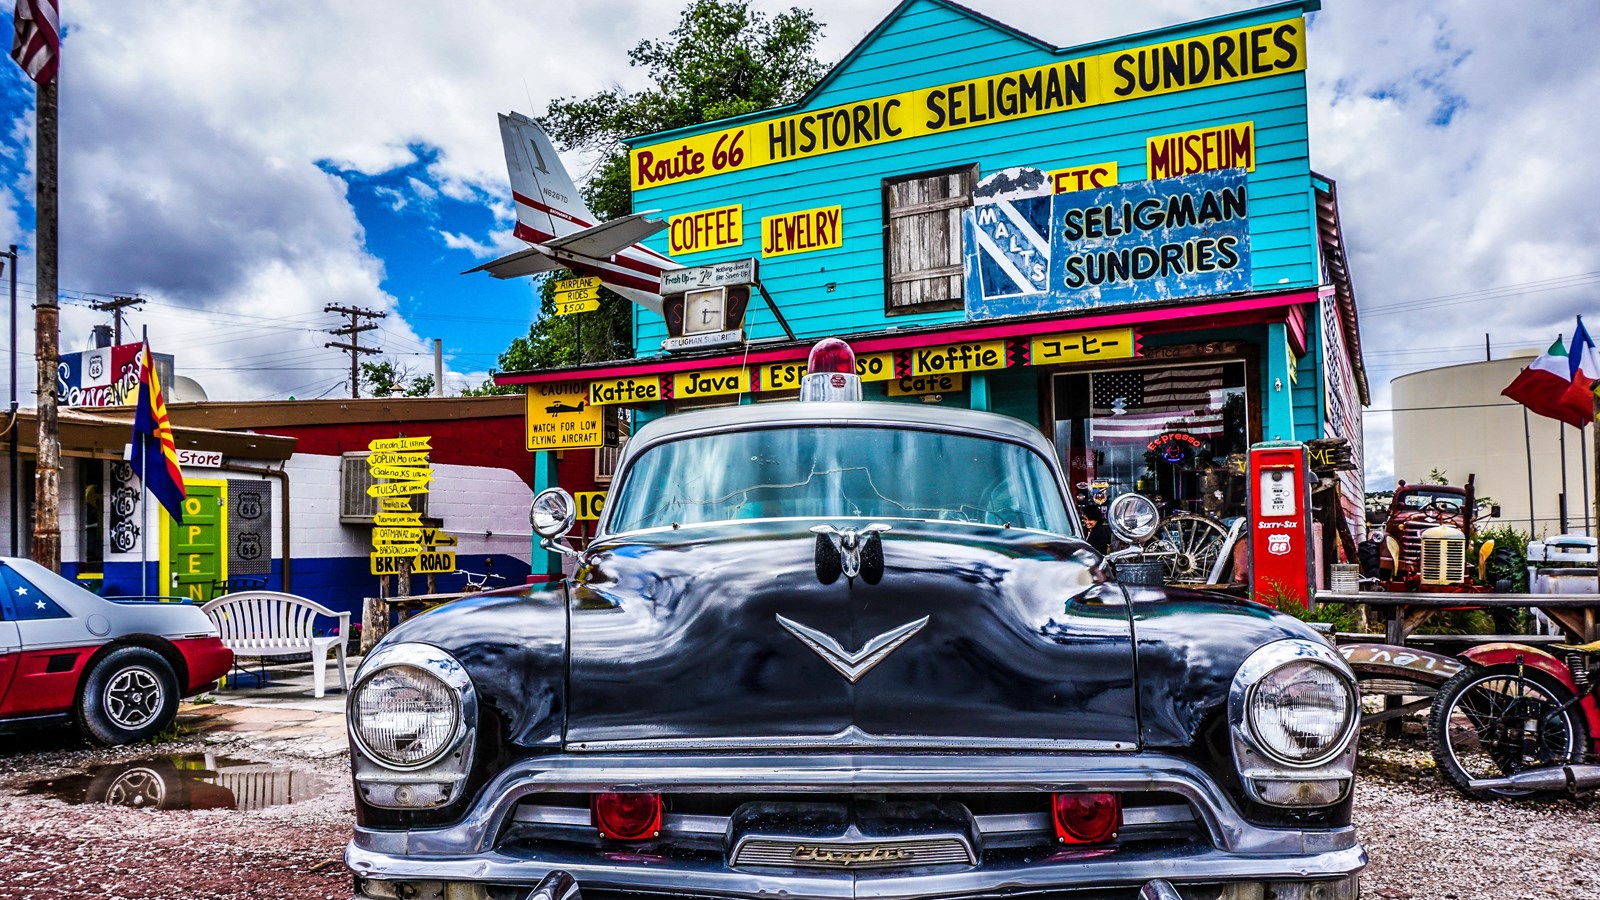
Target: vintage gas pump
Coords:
[[1280, 522]]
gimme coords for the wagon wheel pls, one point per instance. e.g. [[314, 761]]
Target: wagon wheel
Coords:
[[1197, 541]]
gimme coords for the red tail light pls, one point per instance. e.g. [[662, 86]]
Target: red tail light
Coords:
[[1086, 818], [626, 817], [831, 355]]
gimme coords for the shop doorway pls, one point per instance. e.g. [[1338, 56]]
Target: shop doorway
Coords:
[[1177, 433], [195, 556]]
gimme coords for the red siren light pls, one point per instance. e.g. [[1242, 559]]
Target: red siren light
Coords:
[[831, 355]]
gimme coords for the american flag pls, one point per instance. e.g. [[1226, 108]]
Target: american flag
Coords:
[[1136, 406], [37, 44]]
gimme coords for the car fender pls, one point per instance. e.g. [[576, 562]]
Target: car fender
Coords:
[[1507, 654]]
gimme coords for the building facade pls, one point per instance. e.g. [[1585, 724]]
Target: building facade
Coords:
[[1453, 420], [1123, 243]]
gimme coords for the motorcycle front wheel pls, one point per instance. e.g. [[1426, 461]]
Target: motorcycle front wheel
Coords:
[[1494, 722]]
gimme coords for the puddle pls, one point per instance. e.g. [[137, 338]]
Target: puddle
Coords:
[[185, 781]]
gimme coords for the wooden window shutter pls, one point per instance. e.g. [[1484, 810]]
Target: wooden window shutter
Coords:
[[922, 241]]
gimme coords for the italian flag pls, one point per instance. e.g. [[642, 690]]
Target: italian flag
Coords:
[[1551, 388]]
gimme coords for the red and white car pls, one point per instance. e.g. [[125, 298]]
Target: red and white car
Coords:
[[117, 669]]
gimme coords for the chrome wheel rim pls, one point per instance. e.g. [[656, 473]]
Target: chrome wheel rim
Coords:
[[133, 697], [138, 788]]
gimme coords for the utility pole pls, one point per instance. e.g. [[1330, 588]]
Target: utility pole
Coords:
[[115, 306], [47, 324], [353, 331], [13, 504]]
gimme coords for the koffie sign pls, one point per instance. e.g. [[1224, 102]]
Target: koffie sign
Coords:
[[1128, 243]]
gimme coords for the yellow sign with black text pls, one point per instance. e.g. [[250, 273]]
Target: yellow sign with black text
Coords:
[[630, 389], [785, 376], [917, 385], [972, 356], [1084, 178], [590, 505], [586, 283], [560, 416], [575, 306], [400, 443], [1083, 346], [710, 383], [389, 458], [397, 488], [1221, 57]]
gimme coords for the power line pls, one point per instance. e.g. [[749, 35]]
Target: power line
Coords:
[[353, 330]]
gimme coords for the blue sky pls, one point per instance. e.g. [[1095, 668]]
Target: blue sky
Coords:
[[242, 170]]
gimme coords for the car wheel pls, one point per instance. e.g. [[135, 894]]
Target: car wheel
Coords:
[[130, 694]]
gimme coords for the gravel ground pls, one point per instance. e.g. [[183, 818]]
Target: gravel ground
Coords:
[[1425, 840], [51, 849]]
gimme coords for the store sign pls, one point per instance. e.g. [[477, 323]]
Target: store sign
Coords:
[[973, 356], [631, 389], [1203, 150], [802, 232], [740, 271], [706, 229], [1128, 243], [200, 459], [1199, 61], [1084, 346], [1082, 178], [562, 416], [917, 385], [710, 383], [786, 376], [1174, 446]]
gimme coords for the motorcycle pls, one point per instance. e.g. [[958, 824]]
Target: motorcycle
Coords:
[[1519, 723]]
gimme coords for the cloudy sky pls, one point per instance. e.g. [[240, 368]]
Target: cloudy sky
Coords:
[[243, 165]]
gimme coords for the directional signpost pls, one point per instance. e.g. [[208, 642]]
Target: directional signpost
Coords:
[[400, 469]]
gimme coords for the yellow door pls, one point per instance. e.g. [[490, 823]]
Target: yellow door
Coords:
[[197, 550]]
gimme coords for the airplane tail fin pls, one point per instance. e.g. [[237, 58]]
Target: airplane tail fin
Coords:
[[548, 203]]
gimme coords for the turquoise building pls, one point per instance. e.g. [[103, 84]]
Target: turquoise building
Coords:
[[1122, 242]]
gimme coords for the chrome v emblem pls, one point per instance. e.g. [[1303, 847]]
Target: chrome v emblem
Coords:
[[853, 665]]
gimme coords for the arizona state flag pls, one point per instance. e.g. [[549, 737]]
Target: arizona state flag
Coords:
[[155, 454]]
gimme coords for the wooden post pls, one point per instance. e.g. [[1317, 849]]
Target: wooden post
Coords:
[[47, 477]]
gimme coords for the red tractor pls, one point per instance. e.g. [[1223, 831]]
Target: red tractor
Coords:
[[1426, 539]]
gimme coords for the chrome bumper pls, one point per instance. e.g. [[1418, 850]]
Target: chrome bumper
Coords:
[[1234, 851]]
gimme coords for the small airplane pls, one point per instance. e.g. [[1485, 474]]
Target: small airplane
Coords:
[[563, 233]]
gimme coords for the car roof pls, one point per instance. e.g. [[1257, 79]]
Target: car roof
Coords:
[[863, 412]]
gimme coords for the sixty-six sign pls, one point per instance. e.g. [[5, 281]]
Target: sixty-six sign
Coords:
[[400, 543]]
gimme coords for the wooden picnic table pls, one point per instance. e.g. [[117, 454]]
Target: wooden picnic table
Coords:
[[1405, 612], [376, 611]]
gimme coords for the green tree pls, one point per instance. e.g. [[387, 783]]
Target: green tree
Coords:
[[723, 59], [385, 379]]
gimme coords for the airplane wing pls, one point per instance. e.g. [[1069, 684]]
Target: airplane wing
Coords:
[[524, 262], [605, 239]]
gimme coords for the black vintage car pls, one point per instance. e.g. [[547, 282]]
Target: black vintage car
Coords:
[[849, 650]]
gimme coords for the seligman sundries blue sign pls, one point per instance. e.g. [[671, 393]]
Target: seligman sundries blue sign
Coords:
[[1145, 241]]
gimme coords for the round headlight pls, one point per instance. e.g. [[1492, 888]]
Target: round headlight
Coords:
[[405, 716], [1133, 518], [1299, 712]]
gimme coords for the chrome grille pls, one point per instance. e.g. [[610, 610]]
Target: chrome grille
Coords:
[[804, 854], [1444, 560]]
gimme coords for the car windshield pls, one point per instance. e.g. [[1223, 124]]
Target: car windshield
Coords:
[[841, 471], [1419, 499]]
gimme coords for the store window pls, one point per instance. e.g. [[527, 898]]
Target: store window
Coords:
[[922, 239], [91, 518], [1177, 434]]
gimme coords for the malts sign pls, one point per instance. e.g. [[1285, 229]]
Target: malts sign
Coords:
[[1218, 58]]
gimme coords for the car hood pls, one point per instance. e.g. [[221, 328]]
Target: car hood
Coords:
[[728, 636]]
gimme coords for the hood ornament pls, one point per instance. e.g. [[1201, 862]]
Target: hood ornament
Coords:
[[853, 665], [849, 552]]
